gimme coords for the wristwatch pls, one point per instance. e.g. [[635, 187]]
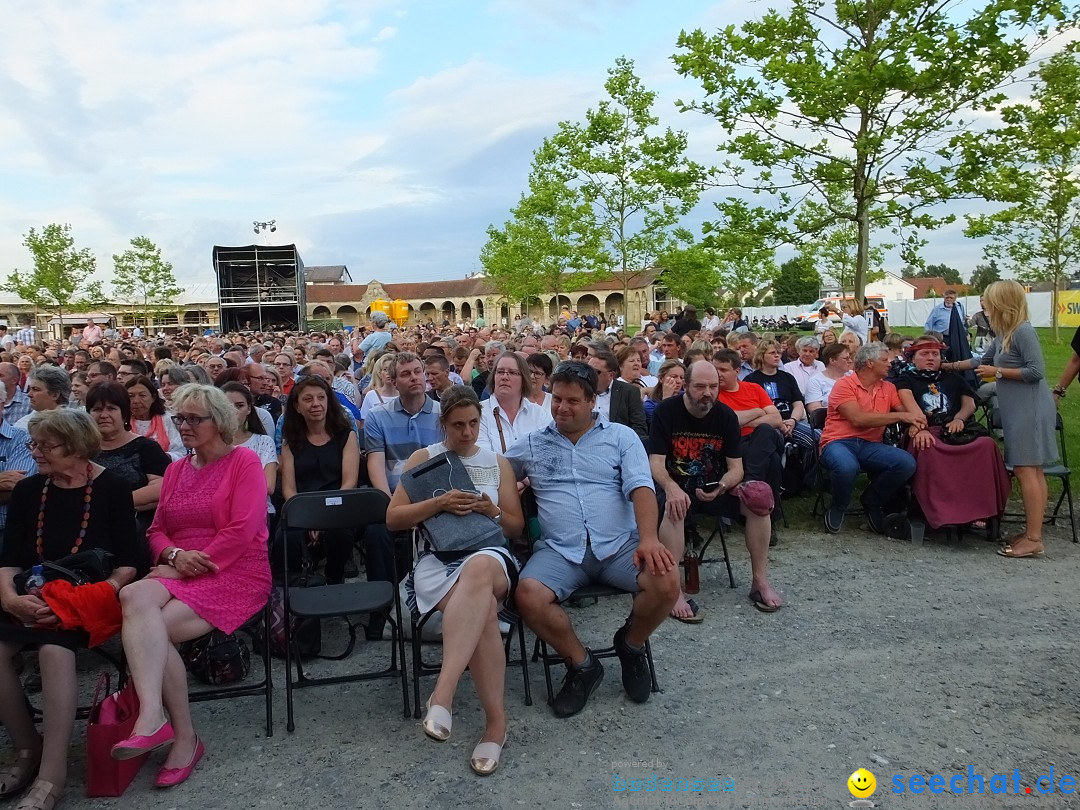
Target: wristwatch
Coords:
[[1059, 390], [171, 559], [498, 517], [997, 374]]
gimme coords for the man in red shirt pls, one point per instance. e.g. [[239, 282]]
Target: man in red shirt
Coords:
[[861, 406], [759, 423]]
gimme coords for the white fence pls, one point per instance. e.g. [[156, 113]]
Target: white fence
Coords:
[[915, 313]]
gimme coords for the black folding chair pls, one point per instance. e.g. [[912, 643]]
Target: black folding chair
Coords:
[[593, 591], [327, 511]]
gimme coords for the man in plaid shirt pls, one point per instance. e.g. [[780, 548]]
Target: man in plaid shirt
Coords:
[[25, 336]]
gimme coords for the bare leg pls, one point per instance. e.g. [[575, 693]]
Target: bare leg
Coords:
[[465, 610], [183, 625], [1034, 491], [146, 645], [488, 669], [652, 604], [758, 528], [543, 615], [59, 693], [673, 538], [14, 714]]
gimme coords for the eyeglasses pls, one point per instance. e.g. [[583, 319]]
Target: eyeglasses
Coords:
[[44, 448], [191, 419], [507, 372]]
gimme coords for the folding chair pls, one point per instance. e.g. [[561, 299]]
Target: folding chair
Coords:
[[1060, 471], [264, 687], [718, 531], [324, 511], [593, 591], [422, 667]]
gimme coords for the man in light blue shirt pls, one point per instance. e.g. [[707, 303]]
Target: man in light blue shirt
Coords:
[[941, 316], [598, 513], [379, 336]]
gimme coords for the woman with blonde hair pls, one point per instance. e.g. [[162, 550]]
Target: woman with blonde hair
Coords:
[[1025, 405], [382, 388]]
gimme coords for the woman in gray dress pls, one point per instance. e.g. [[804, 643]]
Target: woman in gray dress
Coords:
[[1026, 407]]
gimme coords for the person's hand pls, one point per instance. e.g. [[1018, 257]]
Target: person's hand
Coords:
[[986, 371], [10, 478], [955, 426], [457, 502], [678, 502], [652, 557], [922, 440], [475, 353], [523, 485], [29, 610], [710, 495], [485, 506], [194, 564], [916, 419], [787, 427], [164, 572]]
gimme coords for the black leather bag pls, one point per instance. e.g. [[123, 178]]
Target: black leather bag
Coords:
[[217, 658], [82, 568], [971, 432]]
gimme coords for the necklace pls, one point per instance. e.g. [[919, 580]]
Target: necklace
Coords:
[[39, 541]]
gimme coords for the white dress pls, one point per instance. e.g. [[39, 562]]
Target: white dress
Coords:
[[431, 578]]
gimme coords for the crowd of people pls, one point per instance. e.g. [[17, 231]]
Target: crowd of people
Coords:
[[604, 450]]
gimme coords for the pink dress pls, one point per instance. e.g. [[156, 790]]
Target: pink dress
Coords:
[[221, 510]]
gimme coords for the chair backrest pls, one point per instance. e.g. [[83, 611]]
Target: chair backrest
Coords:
[[817, 418], [335, 509]]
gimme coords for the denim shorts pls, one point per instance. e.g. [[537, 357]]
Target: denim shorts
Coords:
[[548, 566]]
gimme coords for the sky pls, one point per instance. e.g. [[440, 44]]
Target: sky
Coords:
[[381, 134]]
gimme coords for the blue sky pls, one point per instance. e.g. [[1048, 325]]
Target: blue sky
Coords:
[[383, 135]]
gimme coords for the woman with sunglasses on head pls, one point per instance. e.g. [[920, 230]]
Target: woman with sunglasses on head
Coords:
[[211, 571], [470, 588], [71, 505]]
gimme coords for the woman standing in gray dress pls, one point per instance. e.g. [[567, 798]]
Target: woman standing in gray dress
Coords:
[[1026, 407]]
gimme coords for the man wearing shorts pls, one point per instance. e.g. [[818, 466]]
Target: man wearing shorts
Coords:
[[597, 509], [695, 450]]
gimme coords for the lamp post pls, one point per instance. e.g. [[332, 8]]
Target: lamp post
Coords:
[[263, 227]]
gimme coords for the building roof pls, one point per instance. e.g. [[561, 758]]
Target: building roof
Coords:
[[327, 273], [924, 285], [438, 291]]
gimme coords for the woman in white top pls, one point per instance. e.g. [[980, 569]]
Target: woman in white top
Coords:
[[854, 321], [508, 414], [252, 435], [470, 589], [838, 363], [382, 387]]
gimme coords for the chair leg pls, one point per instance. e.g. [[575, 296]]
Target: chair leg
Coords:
[[416, 653], [727, 557], [524, 662], [268, 672], [546, 658]]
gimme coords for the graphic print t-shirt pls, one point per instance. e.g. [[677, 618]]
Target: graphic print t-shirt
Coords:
[[696, 449], [940, 399], [781, 387]]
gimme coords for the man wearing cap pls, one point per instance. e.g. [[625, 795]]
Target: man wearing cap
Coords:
[[696, 455], [378, 337]]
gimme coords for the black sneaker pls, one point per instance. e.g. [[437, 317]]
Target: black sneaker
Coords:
[[576, 687], [635, 669], [834, 519], [875, 516], [774, 539]]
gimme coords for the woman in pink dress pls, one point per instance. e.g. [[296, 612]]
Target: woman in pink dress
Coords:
[[211, 570]]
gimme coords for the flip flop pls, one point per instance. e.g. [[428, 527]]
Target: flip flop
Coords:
[[761, 604], [697, 617]]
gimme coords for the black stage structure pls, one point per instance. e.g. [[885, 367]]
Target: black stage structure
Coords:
[[260, 287]]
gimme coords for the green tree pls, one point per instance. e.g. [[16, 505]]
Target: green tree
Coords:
[[857, 97], [60, 281], [798, 282], [834, 246], [551, 243], [143, 279], [1035, 160], [691, 273], [984, 276], [637, 180]]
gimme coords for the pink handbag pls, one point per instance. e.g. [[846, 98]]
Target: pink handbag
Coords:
[[111, 720]]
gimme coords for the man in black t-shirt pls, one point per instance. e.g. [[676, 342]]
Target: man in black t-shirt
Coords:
[[696, 461], [688, 322]]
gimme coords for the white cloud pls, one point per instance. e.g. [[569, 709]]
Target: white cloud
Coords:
[[385, 34]]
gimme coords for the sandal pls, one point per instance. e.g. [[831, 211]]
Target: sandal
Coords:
[[16, 776], [1007, 550], [41, 796]]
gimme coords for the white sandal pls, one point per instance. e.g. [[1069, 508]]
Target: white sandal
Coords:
[[486, 755]]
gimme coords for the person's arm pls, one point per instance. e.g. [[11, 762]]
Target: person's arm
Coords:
[[466, 370], [1068, 374], [749, 415], [770, 416], [350, 462], [376, 469], [146, 498], [513, 517], [921, 437], [288, 473], [650, 555], [860, 419], [638, 423]]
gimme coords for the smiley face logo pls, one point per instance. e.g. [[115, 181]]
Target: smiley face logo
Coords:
[[862, 784]]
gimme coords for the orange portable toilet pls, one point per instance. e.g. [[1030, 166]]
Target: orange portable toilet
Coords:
[[378, 305], [399, 312]]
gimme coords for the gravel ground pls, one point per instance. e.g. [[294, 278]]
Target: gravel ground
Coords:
[[902, 660]]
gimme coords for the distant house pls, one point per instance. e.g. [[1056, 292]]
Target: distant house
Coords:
[[891, 287], [327, 274], [937, 284]]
